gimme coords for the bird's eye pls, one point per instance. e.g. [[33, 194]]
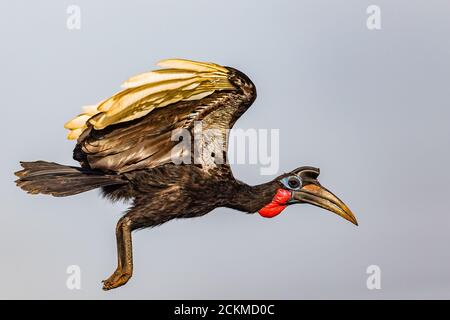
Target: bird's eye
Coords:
[[292, 182]]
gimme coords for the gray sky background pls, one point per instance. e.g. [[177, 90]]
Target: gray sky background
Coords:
[[370, 108]]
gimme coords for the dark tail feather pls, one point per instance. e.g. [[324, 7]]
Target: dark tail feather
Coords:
[[61, 181]]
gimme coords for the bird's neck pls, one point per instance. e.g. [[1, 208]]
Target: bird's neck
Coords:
[[252, 198]]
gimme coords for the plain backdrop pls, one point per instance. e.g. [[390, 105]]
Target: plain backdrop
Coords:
[[370, 108]]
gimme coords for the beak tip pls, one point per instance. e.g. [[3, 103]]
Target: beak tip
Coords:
[[350, 217], [353, 220]]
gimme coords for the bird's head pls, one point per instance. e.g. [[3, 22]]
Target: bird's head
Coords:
[[301, 186]]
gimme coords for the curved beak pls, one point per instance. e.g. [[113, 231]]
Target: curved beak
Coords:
[[323, 198]]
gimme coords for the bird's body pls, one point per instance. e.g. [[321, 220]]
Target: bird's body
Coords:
[[169, 192], [143, 145]]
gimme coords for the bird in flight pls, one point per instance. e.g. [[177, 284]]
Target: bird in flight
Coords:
[[126, 146]]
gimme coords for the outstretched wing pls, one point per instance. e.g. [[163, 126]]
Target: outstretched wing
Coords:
[[137, 127]]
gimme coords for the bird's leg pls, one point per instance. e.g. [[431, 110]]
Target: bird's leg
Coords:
[[124, 269]]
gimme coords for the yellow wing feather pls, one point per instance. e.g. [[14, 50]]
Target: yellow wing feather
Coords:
[[183, 80], [191, 65]]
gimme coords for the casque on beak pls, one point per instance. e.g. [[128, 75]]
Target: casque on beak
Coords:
[[321, 197]]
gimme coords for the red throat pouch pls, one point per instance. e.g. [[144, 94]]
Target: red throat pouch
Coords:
[[277, 204]]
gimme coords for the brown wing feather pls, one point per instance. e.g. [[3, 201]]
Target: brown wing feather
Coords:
[[147, 142]]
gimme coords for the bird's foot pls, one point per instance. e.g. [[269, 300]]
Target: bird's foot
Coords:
[[117, 279]]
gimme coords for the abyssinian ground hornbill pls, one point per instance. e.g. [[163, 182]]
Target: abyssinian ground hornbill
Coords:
[[126, 146]]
